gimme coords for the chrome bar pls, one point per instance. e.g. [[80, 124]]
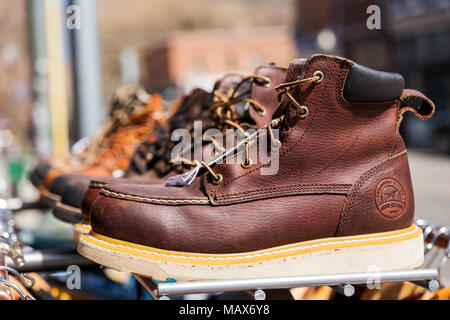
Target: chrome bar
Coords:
[[294, 282]]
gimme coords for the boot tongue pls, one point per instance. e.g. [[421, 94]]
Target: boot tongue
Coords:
[[227, 82], [196, 105], [203, 112], [267, 96], [264, 95], [295, 69]]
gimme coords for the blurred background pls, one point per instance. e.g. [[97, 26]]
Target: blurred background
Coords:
[[61, 60]]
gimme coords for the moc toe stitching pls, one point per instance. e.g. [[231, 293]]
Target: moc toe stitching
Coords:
[[113, 194]]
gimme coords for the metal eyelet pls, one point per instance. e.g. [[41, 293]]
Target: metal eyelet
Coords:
[[218, 180], [277, 144], [319, 74], [196, 163], [262, 111], [304, 113], [248, 165], [267, 82]]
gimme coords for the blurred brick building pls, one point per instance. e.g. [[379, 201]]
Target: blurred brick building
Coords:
[[346, 19], [148, 27], [414, 40], [179, 58]]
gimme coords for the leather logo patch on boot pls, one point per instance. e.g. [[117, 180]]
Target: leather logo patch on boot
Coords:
[[390, 198]]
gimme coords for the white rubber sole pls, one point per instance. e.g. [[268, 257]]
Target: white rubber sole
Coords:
[[79, 229], [395, 250]]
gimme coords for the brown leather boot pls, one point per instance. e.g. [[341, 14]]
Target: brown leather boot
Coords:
[[72, 187], [134, 114], [142, 173], [341, 201], [147, 162]]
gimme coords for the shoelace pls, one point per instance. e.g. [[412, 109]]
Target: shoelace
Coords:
[[221, 113], [128, 104], [122, 143], [226, 116], [153, 148], [301, 110]]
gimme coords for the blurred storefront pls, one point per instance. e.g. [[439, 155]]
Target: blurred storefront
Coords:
[[188, 59], [172, 46], [15, 67], [87, 94], [15, 94], [132, 31], [413, 40]]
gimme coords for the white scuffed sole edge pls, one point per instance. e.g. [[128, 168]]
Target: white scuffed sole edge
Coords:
[[401, 255], [80, 229]]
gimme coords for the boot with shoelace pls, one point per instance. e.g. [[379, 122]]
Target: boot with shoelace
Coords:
[[68, 206], [134, 114], [156, 171], [126, 100], [341, 201], [148, 163]]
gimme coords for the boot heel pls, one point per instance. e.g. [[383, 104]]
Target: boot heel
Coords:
[[381, 200]]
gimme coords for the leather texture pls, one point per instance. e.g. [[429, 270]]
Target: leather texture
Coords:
[[343, 170], [385, 188], [147, 165], [194, 107], [265, 96], [150, 155], [93, 189], [131, 119], [417, 103], [74, 192], [63, 181]]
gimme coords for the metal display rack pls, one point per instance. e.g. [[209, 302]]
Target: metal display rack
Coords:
[[13, 262], [11, 249], [343, 283], [428, 278]]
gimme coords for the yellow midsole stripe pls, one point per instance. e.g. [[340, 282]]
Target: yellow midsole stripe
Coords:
[[85, 227], [285, 251]]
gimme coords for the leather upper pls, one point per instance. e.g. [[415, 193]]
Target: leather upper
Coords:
[[343, 170], [275, 73]]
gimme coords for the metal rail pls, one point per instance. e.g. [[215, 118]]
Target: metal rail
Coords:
[[343, 283], [51, 259]]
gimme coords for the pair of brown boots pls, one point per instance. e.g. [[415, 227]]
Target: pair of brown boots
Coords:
[[334, 197]]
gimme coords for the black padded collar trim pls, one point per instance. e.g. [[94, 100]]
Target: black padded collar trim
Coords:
[[367, 85]]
